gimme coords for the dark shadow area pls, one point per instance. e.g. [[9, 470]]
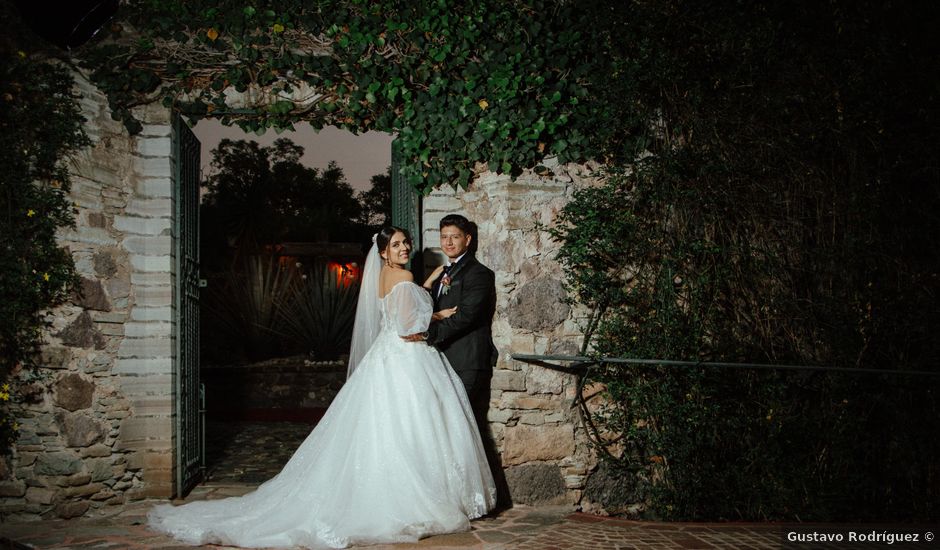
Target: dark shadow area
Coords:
[[250, 451], [480, 402]]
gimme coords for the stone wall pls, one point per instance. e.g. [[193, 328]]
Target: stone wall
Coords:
[[96, 425], [545, 455], [295, 386]]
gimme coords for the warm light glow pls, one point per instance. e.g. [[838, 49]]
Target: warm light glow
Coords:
[[285, 262], [345, 273]]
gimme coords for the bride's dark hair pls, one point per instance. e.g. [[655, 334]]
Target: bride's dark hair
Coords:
[[385, 235]]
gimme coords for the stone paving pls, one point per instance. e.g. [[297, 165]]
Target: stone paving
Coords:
[[250, 452], [241, 455], [522, 528]]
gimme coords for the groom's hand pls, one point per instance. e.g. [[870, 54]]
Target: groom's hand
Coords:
[[417, 337]]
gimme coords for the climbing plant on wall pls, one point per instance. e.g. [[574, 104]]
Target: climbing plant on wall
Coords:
[[40, 127], [461, 83]]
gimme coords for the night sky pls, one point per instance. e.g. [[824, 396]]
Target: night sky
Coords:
[[360, 157]]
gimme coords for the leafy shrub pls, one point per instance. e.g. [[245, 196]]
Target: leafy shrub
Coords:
[[40, 127], [241, 319], [784, 212], [319, 310], [269, 308], [747, 443]]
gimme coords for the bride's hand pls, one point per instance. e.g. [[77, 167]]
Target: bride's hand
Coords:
[[429, 282], [443, 314]]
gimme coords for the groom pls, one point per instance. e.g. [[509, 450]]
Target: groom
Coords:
[[465, 337]]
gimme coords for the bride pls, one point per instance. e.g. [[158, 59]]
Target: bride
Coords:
[[397, 456]]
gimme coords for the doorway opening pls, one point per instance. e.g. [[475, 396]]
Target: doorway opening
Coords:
[[285, 221]]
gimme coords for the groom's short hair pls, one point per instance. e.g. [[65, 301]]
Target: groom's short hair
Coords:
[[458, 221]]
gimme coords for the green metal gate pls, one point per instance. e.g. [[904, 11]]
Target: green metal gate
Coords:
[[189, 424], [406, 209]]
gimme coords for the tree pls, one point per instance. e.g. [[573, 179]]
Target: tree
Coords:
[[377, 201], [259, 196]]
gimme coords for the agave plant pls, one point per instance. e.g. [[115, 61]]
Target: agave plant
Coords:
[[319, 311], [243, 307]]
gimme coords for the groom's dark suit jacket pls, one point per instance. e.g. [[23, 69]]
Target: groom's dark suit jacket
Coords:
[[466, 337]]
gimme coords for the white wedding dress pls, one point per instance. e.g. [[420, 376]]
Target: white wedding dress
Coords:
[[397, 457]]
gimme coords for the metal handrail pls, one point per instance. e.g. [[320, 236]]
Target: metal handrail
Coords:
[[582, 366], [581, 360]]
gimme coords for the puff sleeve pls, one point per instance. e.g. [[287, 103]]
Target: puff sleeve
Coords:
[[409, 308]]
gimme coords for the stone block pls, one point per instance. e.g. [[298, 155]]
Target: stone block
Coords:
[[146, 428], [13, 488], [151, 313], [155, 187], [82, 333], [153, 146], [540, 305], [149, 405], [109, 329], [104, 263], [145, 347], [141, 329], [79, 429], [91, 295], [97, 220], [142, 366], [156, 461], [156, 489], [101, 469], [68, 510], [517, 400], [152, 384], [508, 380], [153, 296], [57, 463], [88, 236], [82, 491], [103, 494], [55, 357], [151, 279], [109, 317], [73, 392], [564, 346], [150, 245], [544, 380], [522, 444], [96, 451], [135, 461], [40, 495], [149, 264], [74, 480], [532, 419], [536, 484], [138, 225], [119, 289], [22, 459], [156, 130], [156, 167], [499, 416]]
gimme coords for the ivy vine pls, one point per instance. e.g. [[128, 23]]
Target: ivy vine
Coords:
[[40, 128], [461, 83]]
